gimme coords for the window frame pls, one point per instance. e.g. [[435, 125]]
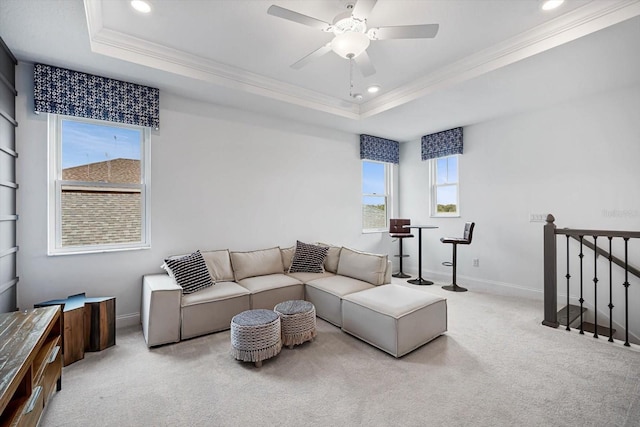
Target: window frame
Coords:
[[388, 196], [55, 184], [433, 164]]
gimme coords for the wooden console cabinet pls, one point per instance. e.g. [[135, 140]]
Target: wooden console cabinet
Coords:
[[30, 364]]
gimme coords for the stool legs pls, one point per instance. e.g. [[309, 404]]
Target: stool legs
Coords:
[[454, 287], [400, 274]]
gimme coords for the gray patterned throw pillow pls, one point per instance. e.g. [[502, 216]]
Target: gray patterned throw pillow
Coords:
[[308, 258], [190, 271]]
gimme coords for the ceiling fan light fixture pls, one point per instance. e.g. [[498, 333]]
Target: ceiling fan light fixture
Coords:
[[551, 4], [141, 6], [350, 44]]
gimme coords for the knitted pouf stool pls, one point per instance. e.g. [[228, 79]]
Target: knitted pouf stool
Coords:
[[255, 336], [298, 321]]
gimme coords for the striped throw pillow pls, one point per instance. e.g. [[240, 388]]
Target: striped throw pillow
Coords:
[[308, 258], [190, 271]]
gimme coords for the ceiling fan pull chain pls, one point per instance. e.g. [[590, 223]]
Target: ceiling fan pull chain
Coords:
[[351, 75]]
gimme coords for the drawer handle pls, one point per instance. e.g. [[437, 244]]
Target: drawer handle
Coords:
[[32, 400], [54, 354]]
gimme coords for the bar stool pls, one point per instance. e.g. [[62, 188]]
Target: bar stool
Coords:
[[398, 231], [455, 241]]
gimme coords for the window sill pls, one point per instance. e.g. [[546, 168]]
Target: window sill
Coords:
[[382, 230], [78, 251]]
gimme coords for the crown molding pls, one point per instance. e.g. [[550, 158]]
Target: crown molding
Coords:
[[122, 46], [93, 14], [580, 22], [585, 20]]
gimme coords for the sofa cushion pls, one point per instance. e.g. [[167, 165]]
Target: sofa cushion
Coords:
[[307, 277], [333, 256], [326, 295], [190, 272], [256, 263], [287, 256], [266, 282], [308, 258], [219, 265], [212, 309], [221, 291], [364, 266], [339, 285]]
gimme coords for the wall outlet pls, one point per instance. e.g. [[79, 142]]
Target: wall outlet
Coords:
[[537, 217], [476, 262]]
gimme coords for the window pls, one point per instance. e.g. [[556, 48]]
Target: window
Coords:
[[376, 189], [98, 186], [444, 186]]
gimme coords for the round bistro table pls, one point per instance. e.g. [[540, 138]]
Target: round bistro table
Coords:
[[420, 280]]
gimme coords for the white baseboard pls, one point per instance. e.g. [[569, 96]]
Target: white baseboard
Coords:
[[489, 286], [127, 320]]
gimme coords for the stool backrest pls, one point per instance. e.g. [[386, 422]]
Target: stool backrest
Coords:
[[396, 226], [468, 231]]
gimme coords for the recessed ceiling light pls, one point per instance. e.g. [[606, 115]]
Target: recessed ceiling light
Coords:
[[373, 88], [551, 4], [141, 6]]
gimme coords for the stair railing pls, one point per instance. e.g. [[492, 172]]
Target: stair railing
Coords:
[[551, 272]]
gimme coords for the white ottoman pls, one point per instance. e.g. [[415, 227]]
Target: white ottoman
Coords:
[[394, 318]]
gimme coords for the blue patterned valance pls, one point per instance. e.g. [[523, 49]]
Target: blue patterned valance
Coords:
[[61, 91], [379, 149], [441, 144]]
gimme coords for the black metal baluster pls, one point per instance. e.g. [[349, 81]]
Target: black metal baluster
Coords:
[[581, 299], [595, 286], [610, 293], [568, 276], [626, 292]]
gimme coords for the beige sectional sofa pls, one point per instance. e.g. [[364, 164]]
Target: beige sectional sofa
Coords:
[[250, 280], [259, 279]]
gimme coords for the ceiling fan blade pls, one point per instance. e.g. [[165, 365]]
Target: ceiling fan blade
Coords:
[[363, 8], [290, 15], [313, 55], [364, 64], [426, 31]]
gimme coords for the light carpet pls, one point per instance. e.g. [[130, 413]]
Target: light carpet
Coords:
[[496, 366]]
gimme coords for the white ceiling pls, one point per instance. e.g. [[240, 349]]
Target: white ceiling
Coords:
[[490, 57]]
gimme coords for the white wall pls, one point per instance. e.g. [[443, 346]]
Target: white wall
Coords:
[[221, 178], [224, 178], [578, 161]]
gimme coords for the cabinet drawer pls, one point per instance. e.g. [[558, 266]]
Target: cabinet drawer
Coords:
[[32, 409], [52, 372]]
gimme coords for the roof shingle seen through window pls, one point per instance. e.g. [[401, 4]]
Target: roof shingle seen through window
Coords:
[[121, 171], [102, 215]]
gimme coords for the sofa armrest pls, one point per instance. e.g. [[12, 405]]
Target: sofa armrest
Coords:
[[160, 311], [387, 273]]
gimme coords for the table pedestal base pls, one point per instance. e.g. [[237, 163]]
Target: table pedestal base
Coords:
[[420, 281], [400, 275], [454, 288]]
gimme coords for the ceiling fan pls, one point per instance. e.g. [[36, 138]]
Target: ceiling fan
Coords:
[[352, 37]]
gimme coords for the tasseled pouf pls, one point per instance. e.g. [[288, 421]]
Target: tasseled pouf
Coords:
[[298, 321], [255, 336]]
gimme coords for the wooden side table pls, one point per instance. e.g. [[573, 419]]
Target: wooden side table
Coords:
[[88, 324]]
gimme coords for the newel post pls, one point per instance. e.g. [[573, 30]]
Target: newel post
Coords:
[[550, 274]]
